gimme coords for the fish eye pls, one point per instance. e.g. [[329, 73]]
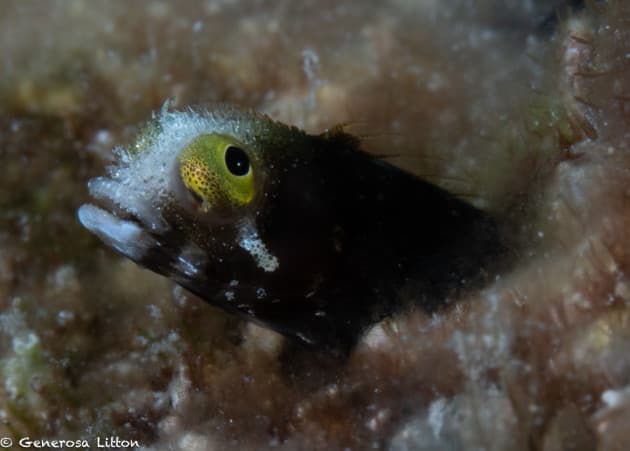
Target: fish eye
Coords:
[[237, 161], [218, 172]]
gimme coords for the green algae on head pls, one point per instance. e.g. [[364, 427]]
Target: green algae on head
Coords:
[[304, 234]]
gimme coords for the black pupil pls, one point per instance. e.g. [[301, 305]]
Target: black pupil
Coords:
[[236, 160]]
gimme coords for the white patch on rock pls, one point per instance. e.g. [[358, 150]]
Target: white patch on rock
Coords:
[[616, 398], [437, 410]]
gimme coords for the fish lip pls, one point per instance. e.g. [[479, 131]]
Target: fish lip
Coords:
[[125, 235], [126, 202], [108, 204]]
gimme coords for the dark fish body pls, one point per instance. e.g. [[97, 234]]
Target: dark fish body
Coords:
[[332, 240]]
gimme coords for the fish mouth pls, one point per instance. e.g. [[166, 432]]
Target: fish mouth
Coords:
[[129, 213], [166, 253], [125, 234], [170, 253], [123, 219]]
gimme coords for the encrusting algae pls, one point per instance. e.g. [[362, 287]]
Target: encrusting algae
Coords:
[[519, 109]]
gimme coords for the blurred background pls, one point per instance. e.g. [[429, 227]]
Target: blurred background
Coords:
[[476, 96]]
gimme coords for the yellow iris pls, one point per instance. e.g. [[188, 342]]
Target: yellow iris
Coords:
[[217, 169]]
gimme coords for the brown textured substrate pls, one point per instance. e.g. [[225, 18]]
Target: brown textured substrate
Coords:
[[482, 100]]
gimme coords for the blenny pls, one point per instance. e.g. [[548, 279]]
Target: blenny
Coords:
[[305, 234]]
